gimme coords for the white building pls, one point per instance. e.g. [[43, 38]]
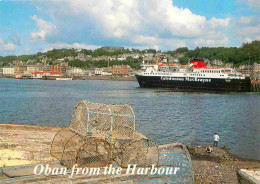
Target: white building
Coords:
[[98, 71], [106, 73], [77, 71], [122, 58], [8, 71]]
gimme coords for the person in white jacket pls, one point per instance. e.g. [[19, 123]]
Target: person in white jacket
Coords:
[[216, 139]]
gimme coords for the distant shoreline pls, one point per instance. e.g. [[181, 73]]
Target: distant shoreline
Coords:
[[110, 78]]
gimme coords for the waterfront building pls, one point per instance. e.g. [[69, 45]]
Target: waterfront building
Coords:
[[75, 71], [107, 71], [19, 69], [30, 69], [8, 71], [60, 69], [38, 67], [121, 69], [256, 71], [98, 71]]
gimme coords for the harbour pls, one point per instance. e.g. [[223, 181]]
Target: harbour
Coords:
[[172, 116], [189, 123]]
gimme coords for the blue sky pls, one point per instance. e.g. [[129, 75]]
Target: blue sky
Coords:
[[35, 26]]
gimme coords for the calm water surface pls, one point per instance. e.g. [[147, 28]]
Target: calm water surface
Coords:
[[162, 115]]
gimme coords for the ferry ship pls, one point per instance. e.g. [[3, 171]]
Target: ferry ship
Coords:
[[195, 76]]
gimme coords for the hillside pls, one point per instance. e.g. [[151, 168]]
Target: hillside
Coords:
[[98, 58]]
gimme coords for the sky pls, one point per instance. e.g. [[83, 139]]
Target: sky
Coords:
[[31, 26]]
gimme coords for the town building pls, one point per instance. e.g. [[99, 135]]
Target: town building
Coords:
[[121, 70], [256, 71], [19, 69], [107, 71], [38, 67], [59, 69], [30, 69], [100, 58], [75, 72], [8, 71], [83, 57], [70, 58], [112, 58], [18, 63], [98, 71], [121, 58]]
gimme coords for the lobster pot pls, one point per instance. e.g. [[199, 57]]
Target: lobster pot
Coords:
[[94, 153], [80, 118], [71, 148], [59, 141], [103, 121], [143, 152]]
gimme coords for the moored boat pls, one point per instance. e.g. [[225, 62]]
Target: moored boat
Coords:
[[18, 77], [195, 76], [63, 78]]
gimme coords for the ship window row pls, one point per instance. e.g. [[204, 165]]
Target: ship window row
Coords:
[[211, 71], [157, 73], [197, 75]]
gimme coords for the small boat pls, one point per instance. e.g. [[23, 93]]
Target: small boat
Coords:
[[63, 78], [18, 77], [249, 176]]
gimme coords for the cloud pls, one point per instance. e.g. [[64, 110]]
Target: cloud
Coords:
[[247, 40], [253, 4], [247, 28], [212, 42], [4, 46], [167, 18], [219, 23], [245, 20], [120, 18], [44, 28], [143, 23], [249, 20]]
